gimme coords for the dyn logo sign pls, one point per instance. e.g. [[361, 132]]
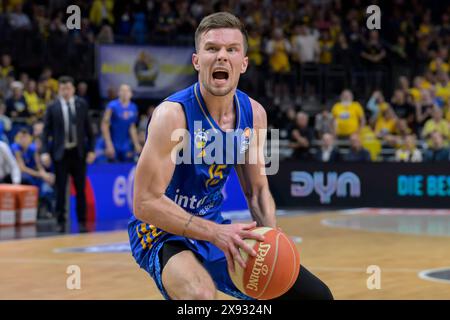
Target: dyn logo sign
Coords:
[[303, 184]]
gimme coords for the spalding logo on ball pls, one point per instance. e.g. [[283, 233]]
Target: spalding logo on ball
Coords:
[[273, 271]]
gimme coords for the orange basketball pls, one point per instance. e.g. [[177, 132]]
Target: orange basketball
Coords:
[[274, 269]]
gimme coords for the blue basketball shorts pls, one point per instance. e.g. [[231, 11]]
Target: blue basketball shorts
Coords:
[[211, 257]]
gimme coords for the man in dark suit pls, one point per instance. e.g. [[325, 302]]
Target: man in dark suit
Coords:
[[357, 152], [68, 141], [328, 152]]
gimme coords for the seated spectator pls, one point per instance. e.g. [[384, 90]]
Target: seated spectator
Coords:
[[376, 104], [402, 107], [442, 88], [436, 124], [9, 169], [324, 123], [36, 105], [50, 84], [286, 121], [301, 137], [328, 152], [105, 35], [402, 130], [404, 85], [408, 152], [27, 157], [348, 114], [424, 107], [419, 84], [27, 154], [24, 78], [5, 123], [356, 153], [370, 142], [16, 106], [439, 64], [437, 152], [386, 122]]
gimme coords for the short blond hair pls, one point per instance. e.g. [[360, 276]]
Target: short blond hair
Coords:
[[220, 20]]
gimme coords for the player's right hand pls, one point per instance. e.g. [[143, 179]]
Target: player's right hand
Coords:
[[230, 237], [45, 159], [110, 152]]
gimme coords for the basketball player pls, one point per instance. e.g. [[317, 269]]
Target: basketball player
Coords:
[[119, 128], [178, 234]]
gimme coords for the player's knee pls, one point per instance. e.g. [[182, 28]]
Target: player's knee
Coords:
[[204, 293], [192, 289]]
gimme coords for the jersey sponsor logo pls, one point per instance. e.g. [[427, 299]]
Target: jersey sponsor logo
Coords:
[[103, 248], [245, 139], [200, 140], [345, 115], [197, 206]]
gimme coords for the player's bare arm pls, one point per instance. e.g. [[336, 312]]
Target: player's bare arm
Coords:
[[105, 125], [134, 138], [154, 171], [253, 182]]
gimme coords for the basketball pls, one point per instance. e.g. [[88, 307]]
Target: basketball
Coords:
[[274, 269]]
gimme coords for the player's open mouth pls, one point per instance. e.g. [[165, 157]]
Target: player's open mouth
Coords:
[[220, 75]]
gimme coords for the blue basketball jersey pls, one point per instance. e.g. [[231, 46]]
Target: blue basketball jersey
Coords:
[[122, 118], [197, 183]]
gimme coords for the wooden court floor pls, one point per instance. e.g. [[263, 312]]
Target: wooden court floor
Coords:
[[30, 269]]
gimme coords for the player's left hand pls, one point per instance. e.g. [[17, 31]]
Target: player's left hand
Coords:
[[90, 157], [138, 149], [230, 238]]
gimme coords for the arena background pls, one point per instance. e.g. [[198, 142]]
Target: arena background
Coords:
[[372, 221]]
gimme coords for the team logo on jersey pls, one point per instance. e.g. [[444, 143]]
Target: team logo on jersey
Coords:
[[200, 140], [245, 139]]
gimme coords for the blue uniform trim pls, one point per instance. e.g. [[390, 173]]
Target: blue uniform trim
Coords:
[[212, 122]]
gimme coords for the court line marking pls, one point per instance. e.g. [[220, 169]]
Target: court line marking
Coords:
[[328, 222], [362, 270], [424, 275], [94, 262], [59, 236], [62, 261]]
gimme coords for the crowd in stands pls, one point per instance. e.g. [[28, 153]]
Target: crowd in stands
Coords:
[[374, 90]]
